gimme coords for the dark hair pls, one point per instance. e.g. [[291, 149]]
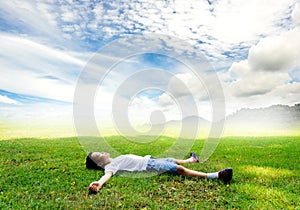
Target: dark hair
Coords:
[[90, 164]]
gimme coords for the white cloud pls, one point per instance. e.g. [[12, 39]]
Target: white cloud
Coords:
[[296, 14], [186, 84], [35, 69], [68, 14], [140, 109], [7, 100], [267, 66], [32, 84], [241, 21], [251, 82], [16, 46], [189, 94], [276, 53], [288, 93], [221, 26], [224, 25], [36, 17], [265, 78]]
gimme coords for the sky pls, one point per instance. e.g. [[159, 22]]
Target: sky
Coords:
[[252, 46]]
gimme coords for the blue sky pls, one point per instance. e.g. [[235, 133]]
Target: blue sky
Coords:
[[45, 45]]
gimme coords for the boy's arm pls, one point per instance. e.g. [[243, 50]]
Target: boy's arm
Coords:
[[95, 186]]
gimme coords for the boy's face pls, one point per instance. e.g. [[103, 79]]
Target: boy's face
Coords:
[[97, 155], [101, 158]]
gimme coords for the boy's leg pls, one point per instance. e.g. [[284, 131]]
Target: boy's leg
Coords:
[[188, 172], [192, 159], [225, 175], [179, 162]]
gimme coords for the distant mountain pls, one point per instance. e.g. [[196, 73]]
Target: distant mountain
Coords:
[[276, 119], [283, 115], [191, 120], [273, 120]]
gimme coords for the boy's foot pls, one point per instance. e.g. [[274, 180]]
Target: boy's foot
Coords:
[[225, 175], [194, 156]]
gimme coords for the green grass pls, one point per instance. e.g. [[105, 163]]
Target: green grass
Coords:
[[50, 174]]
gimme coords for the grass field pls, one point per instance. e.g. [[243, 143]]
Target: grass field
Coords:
[[51, 174]]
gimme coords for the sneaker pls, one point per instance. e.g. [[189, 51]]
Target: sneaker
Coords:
[[195, 158], [225, 175]]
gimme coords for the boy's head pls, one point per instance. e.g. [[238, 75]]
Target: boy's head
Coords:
[[97, 160]]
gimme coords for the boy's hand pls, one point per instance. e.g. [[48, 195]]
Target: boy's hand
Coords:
[[94, 187]]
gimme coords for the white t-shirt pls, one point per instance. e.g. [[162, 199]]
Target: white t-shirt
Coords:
[[127, 163]]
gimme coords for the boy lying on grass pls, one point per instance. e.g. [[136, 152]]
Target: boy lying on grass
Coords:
[[102, 160]]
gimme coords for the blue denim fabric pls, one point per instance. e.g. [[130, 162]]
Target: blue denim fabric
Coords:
[[162, 165]]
